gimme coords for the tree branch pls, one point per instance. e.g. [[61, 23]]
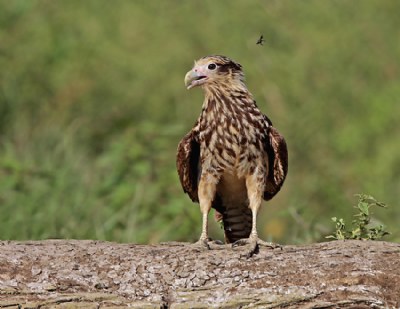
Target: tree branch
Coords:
[[95, 274]]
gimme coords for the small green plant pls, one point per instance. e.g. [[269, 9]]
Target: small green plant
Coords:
[[362, 228]]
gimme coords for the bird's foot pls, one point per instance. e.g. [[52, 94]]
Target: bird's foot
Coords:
[[254, 243], [208, 244], [202, 244]]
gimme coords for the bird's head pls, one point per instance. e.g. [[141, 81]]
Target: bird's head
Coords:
[[214, 71]]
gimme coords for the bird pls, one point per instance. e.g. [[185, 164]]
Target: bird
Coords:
[[233, 157], [261, 40]]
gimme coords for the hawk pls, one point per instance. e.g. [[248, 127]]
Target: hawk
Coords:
[[233, 157]]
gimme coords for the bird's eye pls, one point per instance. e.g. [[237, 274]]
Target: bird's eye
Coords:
[[212, 66]]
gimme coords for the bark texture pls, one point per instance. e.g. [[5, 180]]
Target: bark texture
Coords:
[[93, 274]]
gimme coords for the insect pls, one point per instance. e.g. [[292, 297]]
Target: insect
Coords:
[[261, 40]]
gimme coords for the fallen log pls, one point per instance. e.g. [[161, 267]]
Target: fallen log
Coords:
[[95, 274]]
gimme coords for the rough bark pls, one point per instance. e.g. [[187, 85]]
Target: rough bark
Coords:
[[93, 274]]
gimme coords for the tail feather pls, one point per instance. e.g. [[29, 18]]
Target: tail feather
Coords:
[[232, 206], [237, 222]]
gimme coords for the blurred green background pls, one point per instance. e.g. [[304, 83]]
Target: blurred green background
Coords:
[[93, 105]]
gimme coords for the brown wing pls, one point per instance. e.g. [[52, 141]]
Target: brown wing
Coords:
[[277, 162], [188, 164]]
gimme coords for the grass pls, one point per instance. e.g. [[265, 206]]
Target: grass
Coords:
[[92, 107]]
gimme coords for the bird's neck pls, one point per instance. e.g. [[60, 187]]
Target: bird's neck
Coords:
[[227, 87], [227, 101]]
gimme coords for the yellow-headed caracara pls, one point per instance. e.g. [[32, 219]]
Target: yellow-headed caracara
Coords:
[[233, 157]]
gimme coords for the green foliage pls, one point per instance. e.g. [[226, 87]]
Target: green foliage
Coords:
[[92, 107], [362, 228], [340, 233]]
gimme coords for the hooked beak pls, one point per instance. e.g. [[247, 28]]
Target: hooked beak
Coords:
[[193, 79]]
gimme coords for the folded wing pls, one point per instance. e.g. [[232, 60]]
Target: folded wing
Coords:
[[188, 164], [277, 162]]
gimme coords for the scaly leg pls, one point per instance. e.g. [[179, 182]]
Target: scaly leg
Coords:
[[254, 186], [206, 191]]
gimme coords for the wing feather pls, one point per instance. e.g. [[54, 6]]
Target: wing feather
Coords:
[[277, 162], [188, 164]]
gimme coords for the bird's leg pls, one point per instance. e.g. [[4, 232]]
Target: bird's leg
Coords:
[[204, 231], [254, 193], [206, 191]]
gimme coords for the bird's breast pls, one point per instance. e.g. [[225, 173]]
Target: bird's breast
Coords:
[[230, 145]]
